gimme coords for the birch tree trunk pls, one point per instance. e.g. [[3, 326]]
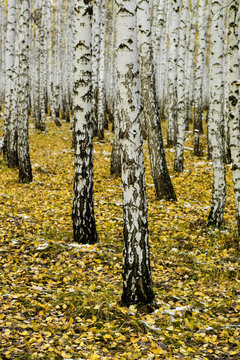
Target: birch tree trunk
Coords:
[[157, 42], [216, 121], [84, 226], [163, 81], [181, 125], [233, 101], [172, 74], [115, 167], [227, 150], [42, 75], [137, 283], [25, 170], [37, 54], [161, 178], [190, 65], [2, 54], [10, 105], [101, 75], [110, 61], [95, 60], [198, 93]]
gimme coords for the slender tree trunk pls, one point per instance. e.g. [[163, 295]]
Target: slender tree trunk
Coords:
[[172, 74], [233, 101], [137, 283], [10, 106], [115, 167], [181, 128], [2, 54], [42, 70], [95, 60], [163, 81], [190, 65], [226, 66], [216, 121], [110, 61], [37, 53], [84, 226], [161, 178], [25, 170], [198, 92], [157, 42], [101, 75]]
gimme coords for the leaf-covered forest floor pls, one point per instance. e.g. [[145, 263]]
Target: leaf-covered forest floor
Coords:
[[60, 300]]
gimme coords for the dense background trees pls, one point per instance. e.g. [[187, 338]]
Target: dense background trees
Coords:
[[180, 64]]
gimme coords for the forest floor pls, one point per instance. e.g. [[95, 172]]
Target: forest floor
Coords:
[[60, 300]]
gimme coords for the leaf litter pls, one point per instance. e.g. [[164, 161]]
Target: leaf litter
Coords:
[[61, 300]]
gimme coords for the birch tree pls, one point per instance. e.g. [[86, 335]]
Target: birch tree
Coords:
[[10, 105], [2, 51], [161, 178], [181, 105], [190, 65], [43, 64], [163, 62], [158, 48], [25, 170], [172, 74], [216, 121], [233, 101], [84, 226], [101, 75], [95, 60], [137, 283], [198, 91]]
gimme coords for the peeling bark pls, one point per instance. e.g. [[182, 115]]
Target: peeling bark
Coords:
[[25, 170], [216, 120], [84, 226], [172, 74], [233, 102], [181, 106], [137, 283]]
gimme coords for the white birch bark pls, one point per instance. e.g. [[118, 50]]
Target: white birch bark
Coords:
[[58, 58], [216, 120], [56, 88], [2, 54], [181, 106], [157, 42], [233, 101], [25, 170], [115, 166], [68, 62], [109, 60], [95, 60], [101, 75], [227, 151], [48, 41], [150, 116], [205, 85], [172, 74], [163, 80], [42, 74], [190, 65], [10, 105], [137, 283], [198, 91], [31, 58], [84, 226], [37, 51]]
